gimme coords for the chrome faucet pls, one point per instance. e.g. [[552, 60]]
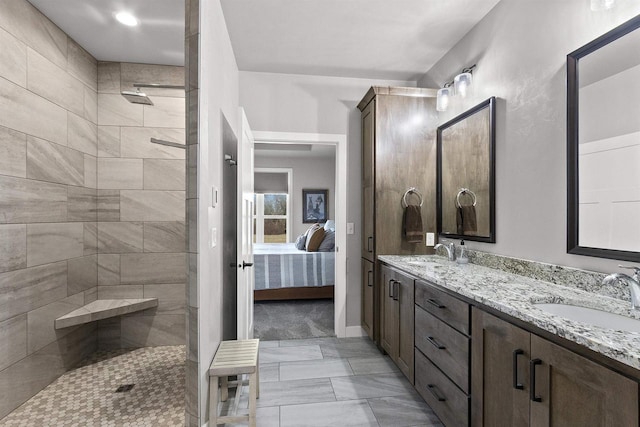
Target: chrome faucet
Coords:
[[451, 250], [632, 281]]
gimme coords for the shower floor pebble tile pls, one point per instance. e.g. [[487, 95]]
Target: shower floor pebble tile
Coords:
[[86, 396]]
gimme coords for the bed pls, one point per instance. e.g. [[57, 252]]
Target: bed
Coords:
[[284, 272]]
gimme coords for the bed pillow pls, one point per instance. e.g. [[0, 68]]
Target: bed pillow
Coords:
[[328, 243], [301, 241], [315, 239]]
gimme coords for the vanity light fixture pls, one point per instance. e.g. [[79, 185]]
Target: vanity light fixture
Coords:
[[600, 5], [127, 19], [459, 86]]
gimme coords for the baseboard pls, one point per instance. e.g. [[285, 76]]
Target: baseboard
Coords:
[[354, 331]]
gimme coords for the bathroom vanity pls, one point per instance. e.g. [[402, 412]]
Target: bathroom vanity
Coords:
[[486, 351]]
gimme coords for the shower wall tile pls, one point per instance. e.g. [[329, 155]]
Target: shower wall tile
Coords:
[[144, 331], [108, 269], [13, 152], [27, 24], [114, 110], [120, 174], [25, 290], [149, 205], [51, 162], [83, 135], [108, 141], [135, 143], [192, 221], [54, 83], [90, 238], [109, 333], [164, 237], [81, 204], [192, 117], [166, 112], [13, 331], [82, 65], [192, 281], [82, 274], [171, 298], [54, 242], [24, 201], [19, 107], [41, 322], [90, 171], [91, 295], [13, 247], [192, 58], [150, 268], [91, 105], [109, 77], [192, 171], [149, 73], [120, 237], [120, 291], [13, 59], [164, 174], [108, 205]]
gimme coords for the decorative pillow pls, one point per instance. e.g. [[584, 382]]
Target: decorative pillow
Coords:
[[329, 242], [301, 241], [308, 233], [330, 225], [315, 239]]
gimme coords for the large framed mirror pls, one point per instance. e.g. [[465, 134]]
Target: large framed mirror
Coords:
[[603, 146], [466, 175]]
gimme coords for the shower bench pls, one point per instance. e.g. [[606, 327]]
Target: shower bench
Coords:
[[103, 309]]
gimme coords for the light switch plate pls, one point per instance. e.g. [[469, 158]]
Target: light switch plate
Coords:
[[350, 228], [430, 239]]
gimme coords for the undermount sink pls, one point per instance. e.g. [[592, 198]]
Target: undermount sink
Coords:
[[591, 316]]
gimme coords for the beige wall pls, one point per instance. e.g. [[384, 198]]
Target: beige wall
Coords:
[[48, 233], [141, 204]]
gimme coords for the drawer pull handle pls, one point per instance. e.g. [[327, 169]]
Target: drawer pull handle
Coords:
[[532, 388], [436, 393], [370, 278], [435, 343], [435, 303], [369, 243], [396, 290], [516, 384], [391, 288]]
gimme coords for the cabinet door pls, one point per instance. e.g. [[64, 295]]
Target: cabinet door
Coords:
[[368, 174], [574, 391], [405, 309], [368, 281], [499, 372], [389, 327]]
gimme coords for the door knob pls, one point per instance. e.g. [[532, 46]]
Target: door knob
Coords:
[[246, 264]]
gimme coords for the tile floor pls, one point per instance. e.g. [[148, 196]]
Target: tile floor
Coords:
[[334, 382]]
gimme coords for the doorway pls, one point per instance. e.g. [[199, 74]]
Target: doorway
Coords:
[[229, 232]]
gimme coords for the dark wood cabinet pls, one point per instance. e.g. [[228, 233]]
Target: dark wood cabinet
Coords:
[[521, 379], [395, 148], [367, 297], [398, 319]]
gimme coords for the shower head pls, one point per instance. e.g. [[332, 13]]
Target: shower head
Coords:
[[136, 97]]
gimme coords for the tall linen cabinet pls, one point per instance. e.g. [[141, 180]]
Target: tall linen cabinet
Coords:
[[398, 152]]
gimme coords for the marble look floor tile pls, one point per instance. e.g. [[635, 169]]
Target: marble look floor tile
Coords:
[[289, 354], [265, 417], [404, 411], [269, 372], [295, 392], [308, 341], [350, 347], [372, 365], [343, 414], [368, 386], [324, 368], [269, 344]]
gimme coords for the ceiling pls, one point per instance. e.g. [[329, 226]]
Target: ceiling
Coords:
[[315, 151], [379, 39]]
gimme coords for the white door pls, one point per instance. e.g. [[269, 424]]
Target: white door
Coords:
[[245, 230]]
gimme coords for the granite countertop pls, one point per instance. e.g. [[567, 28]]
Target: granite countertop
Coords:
[[516, 296]]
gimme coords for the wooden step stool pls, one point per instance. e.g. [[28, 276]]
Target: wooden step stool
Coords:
[[234, 358]]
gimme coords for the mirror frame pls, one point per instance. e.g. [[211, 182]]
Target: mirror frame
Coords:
[[573, 245], [491, 105]]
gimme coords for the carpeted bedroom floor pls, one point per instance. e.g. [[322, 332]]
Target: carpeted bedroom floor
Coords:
[[283, 320]]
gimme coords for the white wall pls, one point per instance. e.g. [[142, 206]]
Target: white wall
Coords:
[[218, 96], [312, 173], [520, 48], [317, 104]]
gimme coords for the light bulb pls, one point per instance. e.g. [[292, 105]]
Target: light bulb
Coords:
[[127, 19], [461, 83], [442, 99], [599, 5]]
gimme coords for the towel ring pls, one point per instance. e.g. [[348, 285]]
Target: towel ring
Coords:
[[412, 190], [465, 191]]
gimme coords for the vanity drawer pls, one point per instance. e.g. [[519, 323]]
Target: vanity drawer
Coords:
[[444, 346], [444, 306], [449, 403]]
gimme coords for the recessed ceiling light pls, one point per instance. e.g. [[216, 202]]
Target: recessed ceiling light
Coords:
[[127, 19]]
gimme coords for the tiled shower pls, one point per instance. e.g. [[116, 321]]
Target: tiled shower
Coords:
[[89, 207]]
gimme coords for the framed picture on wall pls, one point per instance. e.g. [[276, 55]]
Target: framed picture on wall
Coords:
[[315, 206]]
